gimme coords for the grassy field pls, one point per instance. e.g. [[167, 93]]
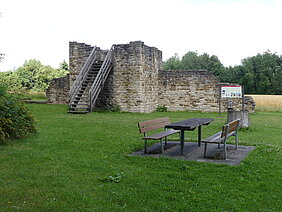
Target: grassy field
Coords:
[[81, 163], [268, 102], [38, 96]]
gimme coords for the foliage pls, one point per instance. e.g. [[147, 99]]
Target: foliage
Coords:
[[32, 76], [115, 109], [64, 66], [173, 63], [260, 74], [60, 168], [12, 82], [15, 119], [193, 61], [162, 108]]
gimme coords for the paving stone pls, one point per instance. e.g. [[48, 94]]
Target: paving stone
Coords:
[[195, 153]]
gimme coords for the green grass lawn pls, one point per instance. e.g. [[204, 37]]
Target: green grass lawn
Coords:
[[81, 163]]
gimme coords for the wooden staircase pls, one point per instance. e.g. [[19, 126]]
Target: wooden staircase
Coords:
[[89, 83]]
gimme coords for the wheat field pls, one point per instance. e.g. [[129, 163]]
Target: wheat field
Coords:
[[268, 102]]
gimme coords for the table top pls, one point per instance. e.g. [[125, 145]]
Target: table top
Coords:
[[189, 124]]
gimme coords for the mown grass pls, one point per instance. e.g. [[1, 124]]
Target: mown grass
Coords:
[[268, 103], [67, 166]]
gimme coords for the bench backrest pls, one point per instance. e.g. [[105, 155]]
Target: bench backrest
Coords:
[[230, 127], [153, 124]]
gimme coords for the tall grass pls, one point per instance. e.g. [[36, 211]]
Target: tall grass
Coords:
[[268, 103]]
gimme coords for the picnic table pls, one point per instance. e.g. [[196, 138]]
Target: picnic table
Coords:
[[190, 125]]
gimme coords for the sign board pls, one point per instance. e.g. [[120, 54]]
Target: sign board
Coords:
[[231, 91]]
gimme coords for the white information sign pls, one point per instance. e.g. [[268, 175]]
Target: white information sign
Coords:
[[231, 91]]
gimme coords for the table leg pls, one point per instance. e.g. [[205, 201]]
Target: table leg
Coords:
[[182, 141], [199, 135]]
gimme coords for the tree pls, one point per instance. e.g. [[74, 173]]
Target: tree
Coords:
[[32, 75], [27, 73], [64, 66], [262, 72], [45, 75], [193, 61], [11, 81], [173, 63]]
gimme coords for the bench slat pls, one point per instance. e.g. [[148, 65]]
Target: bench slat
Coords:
[[232, 127], [215, 136], [152, 122], [160, 135], [152, 127]]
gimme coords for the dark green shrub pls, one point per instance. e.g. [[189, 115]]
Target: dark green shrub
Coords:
[[15, 119], [161, 108], [115, 109]]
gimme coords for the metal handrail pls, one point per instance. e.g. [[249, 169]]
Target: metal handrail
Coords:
[[100, 79], [82, 74]]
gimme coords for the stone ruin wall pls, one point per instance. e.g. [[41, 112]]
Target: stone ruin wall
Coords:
[[133, 83], [188, 90], [137, 82], [58, 91]]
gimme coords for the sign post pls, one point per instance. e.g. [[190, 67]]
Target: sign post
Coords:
[[231, 91]]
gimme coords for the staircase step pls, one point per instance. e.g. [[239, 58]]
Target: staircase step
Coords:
[[74, 106], [77, 102], [80, 104], [81, 98]]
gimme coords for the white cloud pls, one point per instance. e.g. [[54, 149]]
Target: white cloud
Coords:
[[232, 30]]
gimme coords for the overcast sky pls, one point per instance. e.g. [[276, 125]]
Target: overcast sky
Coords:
[[229, 29]]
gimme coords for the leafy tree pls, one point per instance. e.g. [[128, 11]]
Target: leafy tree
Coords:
[[11, 81], [173, 63], [28, 72], [193, 61], [64, 66], [45, 75], [260, 74], [32, 76]]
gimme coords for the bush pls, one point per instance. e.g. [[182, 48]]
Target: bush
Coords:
[[161, 108], [15, 119], [115, 109]]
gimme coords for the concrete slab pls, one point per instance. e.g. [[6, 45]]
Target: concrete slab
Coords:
[[195, 153]]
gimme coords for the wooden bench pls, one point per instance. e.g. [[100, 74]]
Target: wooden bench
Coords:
[[230, 129], [151, 125]]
